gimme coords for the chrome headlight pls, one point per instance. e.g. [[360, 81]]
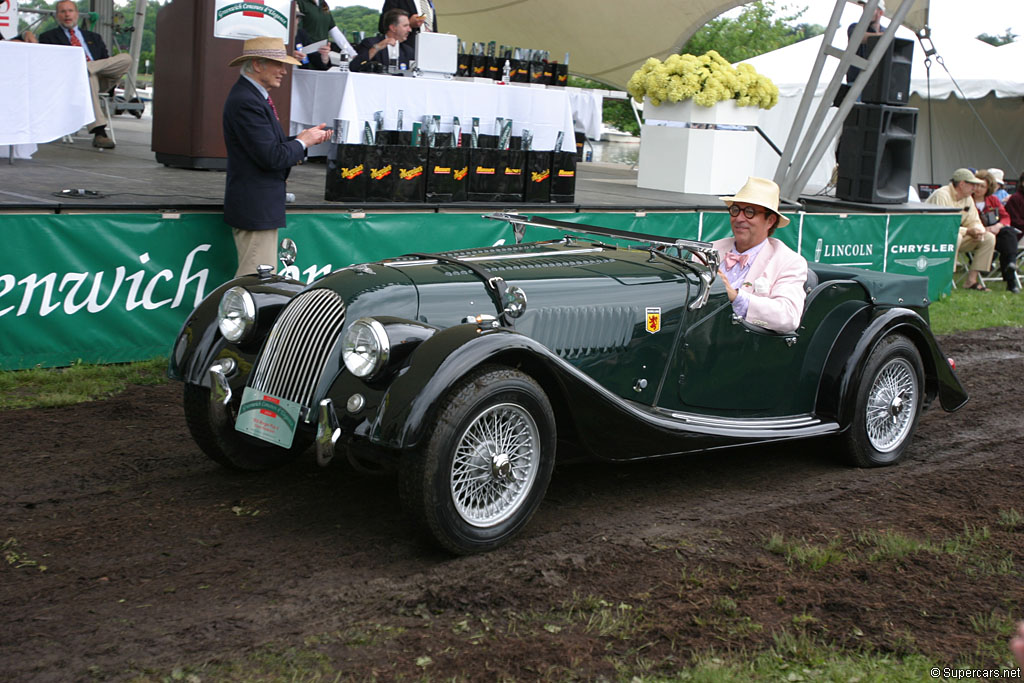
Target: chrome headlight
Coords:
[[365, 347], [236, 314]]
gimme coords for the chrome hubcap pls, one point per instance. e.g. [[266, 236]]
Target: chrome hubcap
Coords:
[[892, 403], [495, 465]]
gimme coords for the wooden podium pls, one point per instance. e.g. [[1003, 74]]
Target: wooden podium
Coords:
[[191, 80]]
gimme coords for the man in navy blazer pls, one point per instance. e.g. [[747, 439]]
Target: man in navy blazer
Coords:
[[387, 47], [259, 154], [104, 71]]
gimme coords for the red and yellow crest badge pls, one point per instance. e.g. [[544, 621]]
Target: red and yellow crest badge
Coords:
[[653, 319]]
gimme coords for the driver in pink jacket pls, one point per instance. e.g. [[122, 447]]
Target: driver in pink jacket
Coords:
[[764, 278]]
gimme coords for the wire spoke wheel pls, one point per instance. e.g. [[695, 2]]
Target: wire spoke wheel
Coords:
[[487, 462], [495, 464], [892, 405], [887, 404]]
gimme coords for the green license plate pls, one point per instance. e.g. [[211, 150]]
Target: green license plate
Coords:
[[268, 418]]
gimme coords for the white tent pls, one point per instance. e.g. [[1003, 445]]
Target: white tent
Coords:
[[949, 135], [607, 41]]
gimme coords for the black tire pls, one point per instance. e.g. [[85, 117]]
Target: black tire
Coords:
[[226, 446], [437, 485], [888, 404]]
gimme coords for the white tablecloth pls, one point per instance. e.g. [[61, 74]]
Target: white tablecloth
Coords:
[[322, 96], [44, 92]]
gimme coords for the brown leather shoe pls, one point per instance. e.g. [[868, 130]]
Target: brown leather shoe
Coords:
[[102, 141]]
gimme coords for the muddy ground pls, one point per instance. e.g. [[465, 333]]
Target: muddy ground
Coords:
[[156, 559]]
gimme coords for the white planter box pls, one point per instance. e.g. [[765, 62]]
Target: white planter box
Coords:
[[678, 158]]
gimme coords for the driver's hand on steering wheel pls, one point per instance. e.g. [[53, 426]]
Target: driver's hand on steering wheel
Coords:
[[728, 288]]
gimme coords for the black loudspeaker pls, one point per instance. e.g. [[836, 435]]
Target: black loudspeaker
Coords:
[[876, 153], [890, 83]]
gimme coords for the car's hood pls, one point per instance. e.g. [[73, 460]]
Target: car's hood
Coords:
[[561, 282]]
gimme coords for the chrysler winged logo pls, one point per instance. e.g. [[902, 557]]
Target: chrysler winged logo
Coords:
[[921, 263], [653, 319]]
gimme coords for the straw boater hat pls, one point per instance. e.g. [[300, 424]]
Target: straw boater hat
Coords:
[[762, 192], [267, 48]]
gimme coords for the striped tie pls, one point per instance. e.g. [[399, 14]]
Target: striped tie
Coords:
[[427, 10]]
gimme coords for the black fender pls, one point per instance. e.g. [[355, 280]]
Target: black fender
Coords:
[[200, 343], [435, 366], [844, 369]]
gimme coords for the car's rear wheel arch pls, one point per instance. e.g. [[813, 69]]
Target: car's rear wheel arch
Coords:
[[845, 367]]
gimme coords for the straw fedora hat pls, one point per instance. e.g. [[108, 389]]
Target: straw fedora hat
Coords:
[[761, 192], [266, 48]]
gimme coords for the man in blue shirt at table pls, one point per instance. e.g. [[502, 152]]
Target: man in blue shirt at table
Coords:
[[104, 71]]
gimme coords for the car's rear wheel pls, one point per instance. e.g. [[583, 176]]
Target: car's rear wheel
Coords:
[[225, 445], [487, 462], [888, 404]]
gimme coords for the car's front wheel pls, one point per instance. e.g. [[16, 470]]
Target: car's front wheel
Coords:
[[487, 462], [888, 404], [225, 445]]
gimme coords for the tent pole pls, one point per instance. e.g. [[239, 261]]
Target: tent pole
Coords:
[[846, 59], [796, 179], [805, 101]]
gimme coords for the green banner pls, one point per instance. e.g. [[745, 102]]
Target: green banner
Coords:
[[113, 288]]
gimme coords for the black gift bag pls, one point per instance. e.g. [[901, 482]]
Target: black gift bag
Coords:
[[563, 177], [549, 74], [537, 177], [394, 137], [496, 175], [447, 174], [346, 174], [562, 74], [478, 66], [537, 72], [520, 71], [494, 66], [465, 65], [395, 173]]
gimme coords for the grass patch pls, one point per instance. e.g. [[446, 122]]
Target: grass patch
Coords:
[[804, 553], [800, 657], [1011, 519], [886, 544], [53, 387], [603, 618], [968, 310]]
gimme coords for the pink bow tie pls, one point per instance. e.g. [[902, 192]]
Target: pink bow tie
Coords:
[[731, 259]]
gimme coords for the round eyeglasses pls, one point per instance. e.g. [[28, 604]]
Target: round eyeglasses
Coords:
[[747, 211]]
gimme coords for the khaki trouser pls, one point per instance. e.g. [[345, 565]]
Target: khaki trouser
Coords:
[[104, 75], [255, 247], [981, 250]]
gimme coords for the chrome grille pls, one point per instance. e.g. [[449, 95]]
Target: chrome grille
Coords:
[[299, 345]]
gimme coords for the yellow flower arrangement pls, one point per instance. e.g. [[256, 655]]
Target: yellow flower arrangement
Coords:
[[706, 79]]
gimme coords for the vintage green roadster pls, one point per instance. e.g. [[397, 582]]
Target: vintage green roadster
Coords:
[[469, 373]]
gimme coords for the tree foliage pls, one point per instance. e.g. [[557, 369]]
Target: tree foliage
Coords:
[[755, 31], [1004, 39], [356, 18]]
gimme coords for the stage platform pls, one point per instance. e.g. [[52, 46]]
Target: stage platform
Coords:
[[129, 178]]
